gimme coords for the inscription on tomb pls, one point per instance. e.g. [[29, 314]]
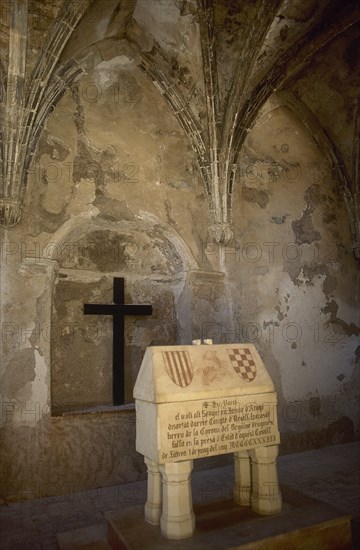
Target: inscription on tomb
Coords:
[[210, 427]]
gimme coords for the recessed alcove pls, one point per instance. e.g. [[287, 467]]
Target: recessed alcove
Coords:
[[81, 345]]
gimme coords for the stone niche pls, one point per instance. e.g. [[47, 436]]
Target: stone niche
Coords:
[[81, 346]]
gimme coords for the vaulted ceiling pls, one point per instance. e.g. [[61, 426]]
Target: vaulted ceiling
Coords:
[[216, 63]]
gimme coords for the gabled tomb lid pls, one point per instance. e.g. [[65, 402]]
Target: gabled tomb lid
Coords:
[[185, 373]]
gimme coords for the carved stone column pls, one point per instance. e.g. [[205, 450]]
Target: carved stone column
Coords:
[[177, 520], [154, 492], [242, 485], [266, 496]]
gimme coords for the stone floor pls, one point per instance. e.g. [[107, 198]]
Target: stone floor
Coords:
[[330, 475]]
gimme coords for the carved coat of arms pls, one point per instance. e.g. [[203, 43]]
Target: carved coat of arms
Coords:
[[243, 363], [178, 366]]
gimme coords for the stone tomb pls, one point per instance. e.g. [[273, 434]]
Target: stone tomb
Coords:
[[200, 401]]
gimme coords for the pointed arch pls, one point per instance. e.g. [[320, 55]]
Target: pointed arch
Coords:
[[75, 227], [286, 67], [328, 148]]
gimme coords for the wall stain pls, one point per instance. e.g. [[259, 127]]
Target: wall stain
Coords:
[[280, 315], [315, 406], [329, 284], [341, 431], [332, 308], [303, 228], [250, 194], [53, 146], [304, 274], [113, 210], [20, 371], [37, 216], [187, 8], [86, 165], [338, 432], [170, 220], [279, 220]]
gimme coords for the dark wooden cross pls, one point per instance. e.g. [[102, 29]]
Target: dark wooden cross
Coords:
[[118, 310]]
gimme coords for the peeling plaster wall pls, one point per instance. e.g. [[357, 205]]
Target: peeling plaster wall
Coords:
[[298, 296], [323, 90], [115, 190], [285, 283]]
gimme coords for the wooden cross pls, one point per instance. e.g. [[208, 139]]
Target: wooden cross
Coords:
[[118, 310]]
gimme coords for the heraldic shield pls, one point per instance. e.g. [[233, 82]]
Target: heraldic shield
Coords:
[[178, 366], [243, 363]]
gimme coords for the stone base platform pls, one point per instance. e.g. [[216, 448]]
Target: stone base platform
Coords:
[[86, 538], [303, 524]]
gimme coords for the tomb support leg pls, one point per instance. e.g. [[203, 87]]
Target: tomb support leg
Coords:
[[177, 520], [154, 492], [242, 485], [266, 496]]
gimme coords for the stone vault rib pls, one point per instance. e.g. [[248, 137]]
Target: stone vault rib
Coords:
[[355, 189], [26, 109], [222, 167], [237, 96], [289, 64], [180, 107], [349, 185], [13, 111], [219, 229]]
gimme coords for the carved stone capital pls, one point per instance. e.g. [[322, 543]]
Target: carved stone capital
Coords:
[[220, 233], [10, 212]]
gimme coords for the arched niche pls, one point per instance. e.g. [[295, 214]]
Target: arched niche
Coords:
[[154, 263]]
